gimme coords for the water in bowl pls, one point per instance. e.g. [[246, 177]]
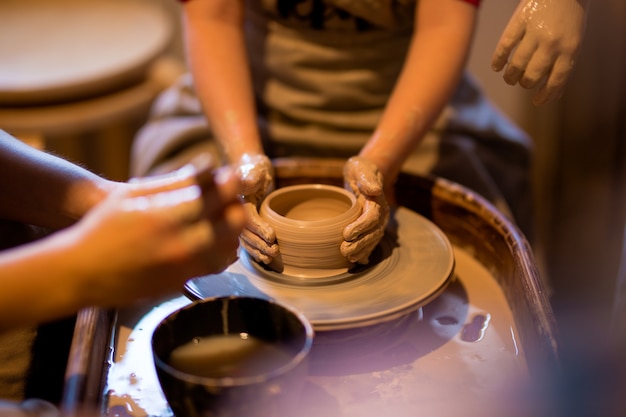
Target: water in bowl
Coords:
[[230, 355]]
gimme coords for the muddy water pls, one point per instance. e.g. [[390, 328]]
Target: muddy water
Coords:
[[457, 355]]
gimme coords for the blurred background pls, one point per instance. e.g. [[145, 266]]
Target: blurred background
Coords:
[[580, 161], [580, 201]]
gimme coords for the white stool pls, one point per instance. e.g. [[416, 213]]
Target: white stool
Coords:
[[78, 76]]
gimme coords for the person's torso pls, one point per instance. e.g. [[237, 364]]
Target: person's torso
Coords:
[[327, 63], [323, 71]]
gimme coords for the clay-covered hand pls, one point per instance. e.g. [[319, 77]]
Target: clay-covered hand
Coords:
[[147, 238], [256, 174], [541, 43], [363, 178]]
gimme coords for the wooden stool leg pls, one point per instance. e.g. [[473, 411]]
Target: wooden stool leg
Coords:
[[113, 148]]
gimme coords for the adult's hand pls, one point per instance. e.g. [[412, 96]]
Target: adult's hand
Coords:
[[361, 237], [147, 238], [540, 44], [256, 174]]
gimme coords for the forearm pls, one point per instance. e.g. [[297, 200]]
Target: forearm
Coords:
[[37, 284], [218, 60], [38, 188], [433, 67]]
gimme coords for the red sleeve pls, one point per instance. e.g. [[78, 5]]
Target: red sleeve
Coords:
[[474, 2]]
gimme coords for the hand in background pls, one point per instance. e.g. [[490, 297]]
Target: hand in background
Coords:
[[361, 237], [541, 43], [257, 178]]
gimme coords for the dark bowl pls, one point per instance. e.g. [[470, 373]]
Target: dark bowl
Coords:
[[230, 376]]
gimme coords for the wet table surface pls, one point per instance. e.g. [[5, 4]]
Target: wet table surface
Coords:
[[458, 354]]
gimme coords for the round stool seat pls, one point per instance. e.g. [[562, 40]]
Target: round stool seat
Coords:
[[64, 50]]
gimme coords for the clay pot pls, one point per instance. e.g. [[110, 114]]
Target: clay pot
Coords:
[[309, 221]]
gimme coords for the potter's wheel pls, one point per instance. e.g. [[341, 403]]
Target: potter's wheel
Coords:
[[411, 266]]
